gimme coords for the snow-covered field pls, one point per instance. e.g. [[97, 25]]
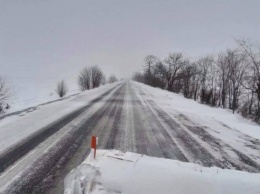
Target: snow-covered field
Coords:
[[31, 91], [129, 173]]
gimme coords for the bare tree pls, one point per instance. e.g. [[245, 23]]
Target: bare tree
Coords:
[[252, 80], [172, 67], [139, 77], [205, 66], [62, 89], [223, 72], [150, 62], [190, 81], [5, 94], [112, 79], [84, 79], [96, 75], [103, 80], [237, 68]]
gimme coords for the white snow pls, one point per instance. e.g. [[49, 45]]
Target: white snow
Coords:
[[16, 127], [203, 114], [131, 173], [31, 90]]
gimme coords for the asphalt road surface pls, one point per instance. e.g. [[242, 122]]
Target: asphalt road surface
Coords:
[[124, 119]]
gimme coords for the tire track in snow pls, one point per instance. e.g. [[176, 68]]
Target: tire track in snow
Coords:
[[164, 140], [224, 160], [240, 162], [39, 177], [145, 140], [11, 155], [190, 147], [126, 137]]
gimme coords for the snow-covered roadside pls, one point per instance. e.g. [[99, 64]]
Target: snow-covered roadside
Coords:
[[117, 172], [16, 127], [206, 115]]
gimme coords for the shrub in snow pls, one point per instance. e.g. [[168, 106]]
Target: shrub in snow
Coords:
[[90, 77], [5, 94], [112, 79], [62, 88]]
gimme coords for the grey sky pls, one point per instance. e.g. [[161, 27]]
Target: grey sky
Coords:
[[39, 39]]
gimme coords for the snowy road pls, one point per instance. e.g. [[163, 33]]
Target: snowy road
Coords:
[[126, 118]]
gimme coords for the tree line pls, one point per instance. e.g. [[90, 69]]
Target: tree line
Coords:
[[230, 79], [88, 78]]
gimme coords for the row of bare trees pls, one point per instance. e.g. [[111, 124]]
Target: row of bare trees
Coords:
[[89, 77], [230, 79]]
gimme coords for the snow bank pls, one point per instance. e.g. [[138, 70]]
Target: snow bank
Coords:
[[130, 173], [203, 114]]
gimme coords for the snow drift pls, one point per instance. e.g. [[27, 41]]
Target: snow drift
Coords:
[[131, 173]]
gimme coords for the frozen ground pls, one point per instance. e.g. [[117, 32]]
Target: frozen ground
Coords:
[[45, 144], [130, 173]]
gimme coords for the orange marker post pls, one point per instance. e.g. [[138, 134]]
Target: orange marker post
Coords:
[[94, 144]]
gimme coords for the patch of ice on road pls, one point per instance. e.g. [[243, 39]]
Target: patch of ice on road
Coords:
[[130, 173]]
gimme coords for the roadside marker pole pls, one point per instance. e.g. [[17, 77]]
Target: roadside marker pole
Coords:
[[94, 144]]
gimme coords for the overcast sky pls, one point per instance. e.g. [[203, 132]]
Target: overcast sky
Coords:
[[42, 38]]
